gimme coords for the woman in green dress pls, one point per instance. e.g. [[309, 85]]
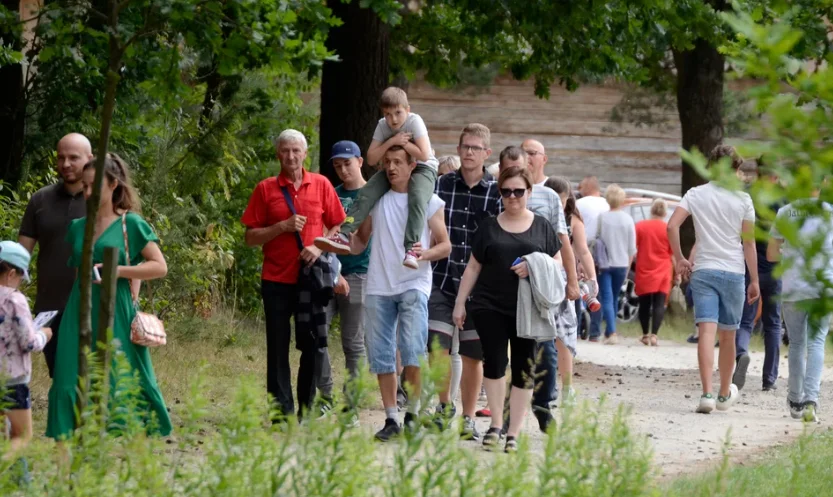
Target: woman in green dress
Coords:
[[118, 198]]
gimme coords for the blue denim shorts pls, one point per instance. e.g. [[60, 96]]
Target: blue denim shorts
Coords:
[[15, 397], [718, 298], [396, 322]]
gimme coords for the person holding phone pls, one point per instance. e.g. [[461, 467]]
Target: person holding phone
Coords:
[[491, 279], [18, 339]]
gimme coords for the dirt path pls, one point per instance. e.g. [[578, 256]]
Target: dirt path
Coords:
[[661, 385]]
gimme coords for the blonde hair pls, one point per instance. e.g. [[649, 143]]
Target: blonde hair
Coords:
[[452, 162], [615, 196], [659, 208], [393, 97], [477, 130]]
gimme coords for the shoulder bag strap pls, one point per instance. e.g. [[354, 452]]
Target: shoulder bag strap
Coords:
[[127, 254], [291, 206]]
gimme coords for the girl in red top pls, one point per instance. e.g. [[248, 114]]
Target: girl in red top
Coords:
[[653, 270]]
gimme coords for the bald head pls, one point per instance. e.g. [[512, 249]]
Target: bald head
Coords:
[[74, 150], [536, 158], [589, 187]]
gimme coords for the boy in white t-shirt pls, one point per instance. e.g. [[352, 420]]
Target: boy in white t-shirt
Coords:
[[724, 224], [399, 128], [801, 291]]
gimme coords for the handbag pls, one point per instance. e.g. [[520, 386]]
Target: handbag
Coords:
[[146, 329], [600, 249]]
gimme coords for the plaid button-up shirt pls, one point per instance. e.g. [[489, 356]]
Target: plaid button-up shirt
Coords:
[[464, 208]]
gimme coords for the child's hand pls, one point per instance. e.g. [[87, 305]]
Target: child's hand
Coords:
[[47, 332], [401, 139]]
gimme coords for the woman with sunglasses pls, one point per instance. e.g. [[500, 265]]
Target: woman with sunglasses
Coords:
[[491, 278]]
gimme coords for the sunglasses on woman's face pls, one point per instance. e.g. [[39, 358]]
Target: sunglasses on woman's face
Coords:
[[508, 192]]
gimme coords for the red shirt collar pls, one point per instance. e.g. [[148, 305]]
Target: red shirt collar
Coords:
[[283, 180]]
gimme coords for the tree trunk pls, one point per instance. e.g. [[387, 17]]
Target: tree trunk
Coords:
[[351, 87], [85, 284], [12, 107], [700, 74]]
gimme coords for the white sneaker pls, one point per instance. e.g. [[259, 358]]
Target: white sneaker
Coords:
[[706, 404], [809, 415], [410, 260], [569, 395], [724, 403]]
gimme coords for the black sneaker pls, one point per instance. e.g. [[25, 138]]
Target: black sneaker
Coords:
[[796, 409], [469, 430], [492, 438], [511, 445], [742, 365], [390, 431], [769, 387], [544, 417]]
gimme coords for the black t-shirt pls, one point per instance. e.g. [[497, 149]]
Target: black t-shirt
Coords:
[[47, 218], [497, 286]]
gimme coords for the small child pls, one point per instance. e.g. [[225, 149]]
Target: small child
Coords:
[[18, 339], [400, 128]]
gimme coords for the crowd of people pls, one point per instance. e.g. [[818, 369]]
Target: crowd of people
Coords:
[[430, 257]]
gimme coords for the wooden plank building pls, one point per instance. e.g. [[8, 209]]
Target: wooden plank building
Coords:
[[575, 128]]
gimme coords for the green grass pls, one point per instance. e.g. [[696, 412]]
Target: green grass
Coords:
[[800, 469]]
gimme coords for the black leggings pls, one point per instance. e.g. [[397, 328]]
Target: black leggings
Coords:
[[497, 331], [651, 305]]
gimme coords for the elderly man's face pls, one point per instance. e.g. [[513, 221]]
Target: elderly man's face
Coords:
[[291, 155], [536, 156]]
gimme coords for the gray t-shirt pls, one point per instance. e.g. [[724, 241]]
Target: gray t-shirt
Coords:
[[47, 219], [413, 125], [617, 231]]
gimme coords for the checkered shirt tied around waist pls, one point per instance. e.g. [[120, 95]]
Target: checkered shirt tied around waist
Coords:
[[464, 208]]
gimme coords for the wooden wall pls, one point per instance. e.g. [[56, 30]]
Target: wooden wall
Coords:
[[574, 127]]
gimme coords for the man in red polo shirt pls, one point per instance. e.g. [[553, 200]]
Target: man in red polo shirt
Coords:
[[270, 222]]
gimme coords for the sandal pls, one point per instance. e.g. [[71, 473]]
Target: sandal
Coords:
[[646, 340], [654, 341]]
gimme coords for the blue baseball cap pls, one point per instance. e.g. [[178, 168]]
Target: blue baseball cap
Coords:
[[345, 149], [16, 255]]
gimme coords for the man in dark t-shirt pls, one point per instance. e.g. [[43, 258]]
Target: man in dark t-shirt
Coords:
[[45, 222]]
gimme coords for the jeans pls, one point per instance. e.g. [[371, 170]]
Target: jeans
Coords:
[[806, 356], [420, 190], [610, 286], [771, 324], [350, 308], [546, 375], [396, 322], [280, 302]]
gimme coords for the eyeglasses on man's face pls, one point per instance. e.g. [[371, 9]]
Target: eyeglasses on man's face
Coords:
[[510, 192], [471, 148]]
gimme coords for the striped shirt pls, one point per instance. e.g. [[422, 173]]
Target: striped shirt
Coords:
[[464, 208]]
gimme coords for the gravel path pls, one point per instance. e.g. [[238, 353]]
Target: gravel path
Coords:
[[661, 385]]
